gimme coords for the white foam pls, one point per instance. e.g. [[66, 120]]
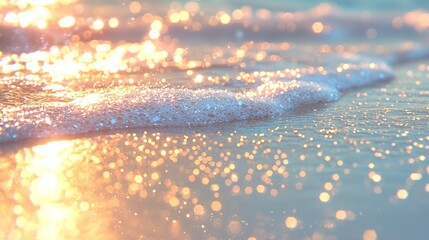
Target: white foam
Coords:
[[187, 107]]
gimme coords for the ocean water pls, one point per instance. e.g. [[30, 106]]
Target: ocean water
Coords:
[[214, 120]]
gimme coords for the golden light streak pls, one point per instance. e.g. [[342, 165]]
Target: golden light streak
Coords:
[[48, 188]]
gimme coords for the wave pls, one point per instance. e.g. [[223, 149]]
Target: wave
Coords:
[[151, 107], [275, 77]]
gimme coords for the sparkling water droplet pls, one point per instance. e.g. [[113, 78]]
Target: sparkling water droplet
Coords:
[[155, 119]]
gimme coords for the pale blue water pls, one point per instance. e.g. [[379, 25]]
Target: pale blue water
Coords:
[[261, 128]]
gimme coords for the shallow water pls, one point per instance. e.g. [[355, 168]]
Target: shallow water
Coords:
[[230, 131]]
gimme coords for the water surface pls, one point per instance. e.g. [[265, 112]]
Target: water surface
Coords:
[[194, 120]]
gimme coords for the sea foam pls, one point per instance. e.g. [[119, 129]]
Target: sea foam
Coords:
[[149, 107]]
